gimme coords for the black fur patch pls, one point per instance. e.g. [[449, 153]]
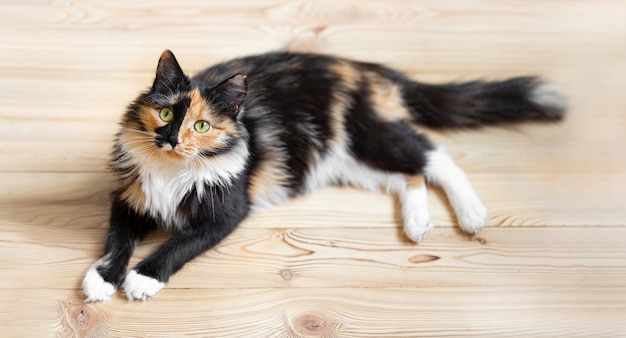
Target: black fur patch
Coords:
[[477, 103], [169, 132], [389, 146]]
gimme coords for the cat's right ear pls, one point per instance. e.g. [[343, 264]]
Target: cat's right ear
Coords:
[[169, 76]]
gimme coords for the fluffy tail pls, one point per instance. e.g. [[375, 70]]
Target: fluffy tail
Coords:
[[481, 103]]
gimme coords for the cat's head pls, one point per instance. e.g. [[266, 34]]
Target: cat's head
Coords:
[[178, 121]]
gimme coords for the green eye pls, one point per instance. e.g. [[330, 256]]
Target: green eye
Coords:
[[166, 114], [202, 126]]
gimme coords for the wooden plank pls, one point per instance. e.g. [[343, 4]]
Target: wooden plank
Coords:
[[339, 257], [496, 52], [483, 31], [515, 16], [343, 312]]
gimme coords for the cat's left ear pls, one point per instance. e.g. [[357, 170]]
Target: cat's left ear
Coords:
[[169, 76], [228, 96]]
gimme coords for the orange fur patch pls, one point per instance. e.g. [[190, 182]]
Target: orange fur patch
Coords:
[[348, 73], [350, 78], [415, 181], [387, 98], [134, 196], [267, 180], [149, 116]]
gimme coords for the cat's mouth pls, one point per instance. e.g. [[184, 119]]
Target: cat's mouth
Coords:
[[177, 151], [174, 151]]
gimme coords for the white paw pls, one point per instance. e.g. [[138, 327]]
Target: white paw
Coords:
[[95, 288], [138, 286], [472, 217], [417, 228]]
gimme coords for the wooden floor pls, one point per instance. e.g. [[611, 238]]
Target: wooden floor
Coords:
[[552, 261]]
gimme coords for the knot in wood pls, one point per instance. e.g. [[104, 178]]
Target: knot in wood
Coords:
[[286, 274], [423, 258], [78, 320], [312, 324]]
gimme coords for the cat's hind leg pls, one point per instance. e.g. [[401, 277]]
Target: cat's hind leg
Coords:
[[415, 215], [441, 170]]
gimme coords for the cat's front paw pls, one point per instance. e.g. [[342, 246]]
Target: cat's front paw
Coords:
[[96, 288], [138, 286]]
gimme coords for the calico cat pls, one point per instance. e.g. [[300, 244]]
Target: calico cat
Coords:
[[199, 154]]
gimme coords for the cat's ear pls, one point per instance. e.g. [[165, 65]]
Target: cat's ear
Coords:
[[169, 76], [228, 96]]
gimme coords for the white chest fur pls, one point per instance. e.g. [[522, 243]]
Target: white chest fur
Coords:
[[165, 187], [166, 183]]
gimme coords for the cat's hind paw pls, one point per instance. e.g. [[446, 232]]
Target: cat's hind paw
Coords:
[[417, 225], [473, 217], [96, 288], [138, 286], [417, 232]]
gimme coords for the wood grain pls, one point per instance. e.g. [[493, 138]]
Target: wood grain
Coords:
[[342, 312], [319, 257], [551, 262]]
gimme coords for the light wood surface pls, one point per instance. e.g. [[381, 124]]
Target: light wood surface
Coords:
[[552, 261]]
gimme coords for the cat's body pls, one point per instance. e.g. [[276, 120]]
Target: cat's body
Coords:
[[199, 154]]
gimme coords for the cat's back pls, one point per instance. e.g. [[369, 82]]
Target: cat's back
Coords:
[[271, 69]]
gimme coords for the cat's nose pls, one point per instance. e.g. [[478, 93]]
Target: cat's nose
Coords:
[[173, 141]]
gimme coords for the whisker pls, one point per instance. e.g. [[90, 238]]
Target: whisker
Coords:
[[138, 140], [148, 133], [154, 151], [141, 143]]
